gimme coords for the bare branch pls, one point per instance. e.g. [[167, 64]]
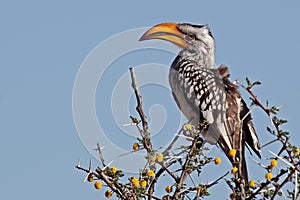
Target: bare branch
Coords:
[[145, 133], [138, 96]]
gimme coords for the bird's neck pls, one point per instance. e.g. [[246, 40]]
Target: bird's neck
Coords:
[[203, 56]]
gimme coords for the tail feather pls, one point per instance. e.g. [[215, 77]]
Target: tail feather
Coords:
[[239, 125], [248, 129]]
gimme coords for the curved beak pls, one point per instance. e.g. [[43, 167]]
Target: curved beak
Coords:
[[166, 31]]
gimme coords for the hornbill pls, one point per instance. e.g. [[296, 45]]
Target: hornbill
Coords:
[[204, 93]]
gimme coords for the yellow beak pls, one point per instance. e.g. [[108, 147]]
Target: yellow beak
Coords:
[[166, 31]]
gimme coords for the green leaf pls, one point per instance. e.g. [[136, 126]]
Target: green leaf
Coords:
[[248, 82], [270, 130], [256, 83], [274, 109]]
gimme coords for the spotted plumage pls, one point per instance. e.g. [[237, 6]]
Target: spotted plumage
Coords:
[[204, 93]]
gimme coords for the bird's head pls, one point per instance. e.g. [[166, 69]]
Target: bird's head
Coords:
[[196, 41]]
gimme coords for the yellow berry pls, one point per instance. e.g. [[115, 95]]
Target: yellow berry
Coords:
[[273, 163], [168, 189], [114, 170], [188, 127], [232, 196], [135, 182], [98, 185], [296, 152], [90, 179], [232, 152], [150, 173], [198, 188], [136, 146], [252, 183], [269, 176], [234, 170], [143, 183], [108, 193], [217, 160], [159, 157]]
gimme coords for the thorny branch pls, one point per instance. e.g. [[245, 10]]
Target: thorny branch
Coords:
[[185, 171], [281, 136], [188, 163], [264, 184], [145, 133], [283, 183], [138, 96], [100, 175], [273, 119]]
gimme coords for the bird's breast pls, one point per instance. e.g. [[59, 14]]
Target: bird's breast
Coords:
[[183, 99], [197, 91]]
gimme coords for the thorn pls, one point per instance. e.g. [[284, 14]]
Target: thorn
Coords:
[[86, 177], [128, 153], [174, 157], [192, 191], [280, 158], [258, 163], [192, 180], [129, 124], [187, 137], [107, 165], [250, 110], [90, 165], [280, 106], [98, 149]]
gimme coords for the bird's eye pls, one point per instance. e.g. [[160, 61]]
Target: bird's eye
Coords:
[[190, 37]]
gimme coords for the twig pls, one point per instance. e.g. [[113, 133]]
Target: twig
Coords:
[[159, 173], [184, 173], [216, 181], [114, 186], [263, 185], [165, 152], [257, 102], [269, 143], [145, 133], [138, 96], [206, 186], [169, 172], [276, 125], [283, 183], [229, 185], [100, 154], [86, 170]]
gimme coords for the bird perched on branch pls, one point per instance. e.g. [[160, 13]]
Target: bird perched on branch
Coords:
[[204, 93]]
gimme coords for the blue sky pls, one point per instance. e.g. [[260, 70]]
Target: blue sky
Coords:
[[44, 43]]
